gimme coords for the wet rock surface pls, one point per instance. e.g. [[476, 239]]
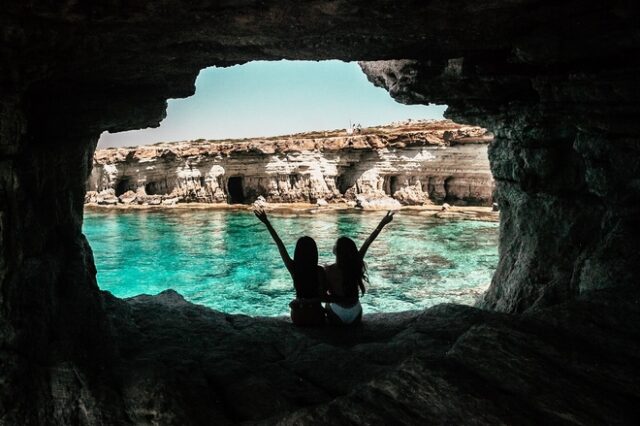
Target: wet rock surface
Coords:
[[576, 363]]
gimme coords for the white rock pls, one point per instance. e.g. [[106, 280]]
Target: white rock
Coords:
[[91, 197], [381, 203], [154, 200], [170, 201], [128, 197], [107, 197], [260, 202]]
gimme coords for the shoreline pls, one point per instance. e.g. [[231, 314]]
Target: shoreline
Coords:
[[479, 213]]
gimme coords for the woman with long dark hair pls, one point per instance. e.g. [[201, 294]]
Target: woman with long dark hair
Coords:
[[346, 278], [308, 277]]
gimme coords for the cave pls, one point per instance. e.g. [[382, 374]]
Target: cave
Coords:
[[235, 190], [554, 340], [152, 188], [294, 179], [449, 182], [348, 177], [393, 185], [122, 186], [343, 183]]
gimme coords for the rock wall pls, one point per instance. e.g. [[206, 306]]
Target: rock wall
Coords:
[[414, 163], [566, 160]]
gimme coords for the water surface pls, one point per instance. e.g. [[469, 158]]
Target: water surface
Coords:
[[226, 259]]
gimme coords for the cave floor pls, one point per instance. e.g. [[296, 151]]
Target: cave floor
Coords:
[[575, 363]]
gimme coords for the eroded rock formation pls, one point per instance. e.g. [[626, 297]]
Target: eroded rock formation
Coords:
[[449, 364], [565, 161], [556, 82], [415, 163]]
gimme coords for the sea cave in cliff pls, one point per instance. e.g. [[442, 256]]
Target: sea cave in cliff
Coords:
[[553, 340]]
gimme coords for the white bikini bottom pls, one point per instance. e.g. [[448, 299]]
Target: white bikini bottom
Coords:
[[346, 315]]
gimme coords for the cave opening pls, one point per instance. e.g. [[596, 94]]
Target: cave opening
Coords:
[[151, 188], [393, 185], [122, 186], [315, 167], [294, 179], [556, 81], [342, 183], [235, 190], [449, 184]]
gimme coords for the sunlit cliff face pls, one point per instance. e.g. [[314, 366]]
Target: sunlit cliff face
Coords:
[[554, 82], [410, 163]]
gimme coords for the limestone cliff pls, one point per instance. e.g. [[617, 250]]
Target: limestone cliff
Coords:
[[414, 163]]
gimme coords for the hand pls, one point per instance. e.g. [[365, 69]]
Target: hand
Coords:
[[262, 215], [387, 218]]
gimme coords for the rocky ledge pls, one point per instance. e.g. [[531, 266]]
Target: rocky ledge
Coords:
[[184, 364], [409, 163]]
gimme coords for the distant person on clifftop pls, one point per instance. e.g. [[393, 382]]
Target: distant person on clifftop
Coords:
[[308, 277], [346, 278]]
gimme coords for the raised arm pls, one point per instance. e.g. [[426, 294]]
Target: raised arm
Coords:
[[386, 219], [288, 262]]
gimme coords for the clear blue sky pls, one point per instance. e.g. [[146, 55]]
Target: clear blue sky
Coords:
[[274, 98]]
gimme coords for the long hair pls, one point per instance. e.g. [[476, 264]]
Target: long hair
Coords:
[[305, 269], [352, 267]]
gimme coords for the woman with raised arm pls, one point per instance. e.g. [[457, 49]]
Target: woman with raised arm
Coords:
[[346, 277], [308, 277]]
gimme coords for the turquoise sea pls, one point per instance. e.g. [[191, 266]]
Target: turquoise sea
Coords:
[[226, 259]]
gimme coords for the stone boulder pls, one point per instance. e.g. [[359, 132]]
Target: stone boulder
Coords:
[[107, 198], [128, 197], [260, 202], [377, 203], [170, 201], [91, 197], [412, 196]]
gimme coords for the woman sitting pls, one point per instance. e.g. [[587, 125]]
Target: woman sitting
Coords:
[[308, 277], [346, 278]]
